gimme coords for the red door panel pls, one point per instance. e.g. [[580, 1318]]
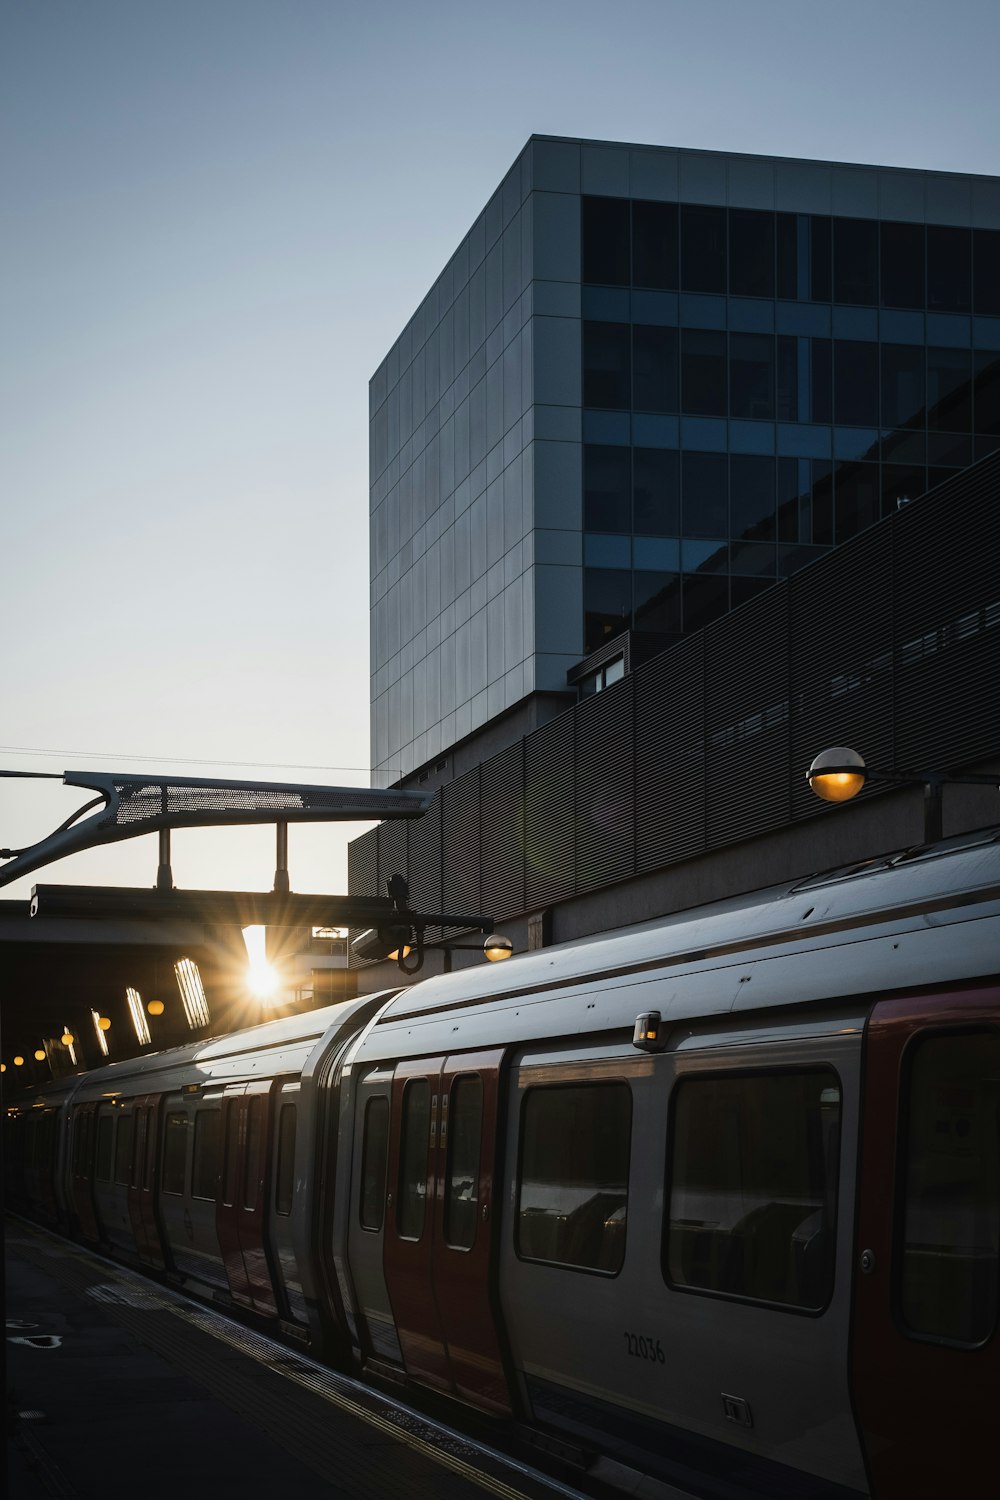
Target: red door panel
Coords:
[[142, 1193], [241, 1215], [227, 1222], [464, 1228], [82, 1170], [926, 1350]]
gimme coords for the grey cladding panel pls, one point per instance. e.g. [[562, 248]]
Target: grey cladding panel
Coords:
[[605, 788], [460, 844], [549, 813], [670, 755], [425, 862], [502, 832]]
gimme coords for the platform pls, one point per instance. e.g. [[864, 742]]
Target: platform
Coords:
[[116, 1384]]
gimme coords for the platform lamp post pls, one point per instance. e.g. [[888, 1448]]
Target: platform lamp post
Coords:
[[838, 774]]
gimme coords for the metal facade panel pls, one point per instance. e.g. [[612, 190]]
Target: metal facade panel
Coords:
[[460, 862], [840, 640], [947, 700], [502, 832], [670, 755], [362, 878], [550, 812], [393, 854], [605, 787], [748, 751], [425, 862]]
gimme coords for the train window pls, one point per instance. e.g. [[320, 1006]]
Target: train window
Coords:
[[232, 1170], [461, 1193], [573, 1181], [102, 1166], [251, 1180], [414, 1133], [753, 1186], [147, 1171], [285, 1179], [950, 1250], [174, 1153], [81, 1145], [373, 1162], [123, 1150], [205, 1164]]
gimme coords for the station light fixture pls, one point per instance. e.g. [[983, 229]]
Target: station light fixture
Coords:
[[67, 1038], [155, 1007], [19, 1062], [497, 947], [139, 1023], [838, 774], [40, 1054], [104, 1022], [99, 1032]]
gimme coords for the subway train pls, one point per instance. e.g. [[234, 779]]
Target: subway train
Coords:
[[712, 1202]]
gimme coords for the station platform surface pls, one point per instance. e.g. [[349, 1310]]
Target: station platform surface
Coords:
[[117, 1385]]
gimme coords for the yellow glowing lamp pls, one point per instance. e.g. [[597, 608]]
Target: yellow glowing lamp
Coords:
[[404, 951], [40, 1055], [155, 1007], [104, 1023], [3, 1067], [19, 1062], [67, 1039], [497, 947], [838, 774]]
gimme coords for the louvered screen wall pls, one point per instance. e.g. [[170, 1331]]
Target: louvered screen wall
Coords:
[[891, 644]]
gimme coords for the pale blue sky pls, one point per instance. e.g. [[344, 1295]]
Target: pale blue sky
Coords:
[[216, 217]]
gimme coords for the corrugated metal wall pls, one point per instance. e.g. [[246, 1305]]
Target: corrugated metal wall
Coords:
[[891, 644]]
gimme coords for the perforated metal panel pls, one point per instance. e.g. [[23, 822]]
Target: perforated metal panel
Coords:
[[670, 755], [605, 787], [502, 832], [362, 879], [460, 844], [425, 862], [393, 854], [550, 812]]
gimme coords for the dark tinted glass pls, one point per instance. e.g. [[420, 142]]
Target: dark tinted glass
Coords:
[[654, 367], [102, 1163], [703, 372], [606, 241], [821, 503], [787, 255], [174, 1153], [950, 1250], [751, 375], [903, 396], [607, 604], [232, 1167], [706, 598], [856, 498], [855, 261], [255, 1142], [751, 497], [573, 1183], [821, 258], [606, 365], [461, 1193], [753, 1186], [414, 1141], [207, 1145], [789, 499], [654, 245], [821, 373], [901, 483], [284, 1187], [987, 394], [786, 398], [657, 604], [986, 270], [751, 253], [949, 268], [703, 249], [373, 1162], [606, 485], [704, 486], [656, 492], [949, 390], [855, 383], [902, 265], [123, 1150]]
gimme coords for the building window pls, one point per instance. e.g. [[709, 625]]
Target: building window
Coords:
[[654, 245], [753, 1181], [461, 1193], [374, 1155], [572, 1197], [751, 253], [902, 265], [656, 492], [607, 604], [606, 241], [950, 1242], [414, 1142], [607, 365], [654, 367], [602, 677], [751, 375], [703, 248], [855, 261], [606, 487], [207, 1142], [703, 372]]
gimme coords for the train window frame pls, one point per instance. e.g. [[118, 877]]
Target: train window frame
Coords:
[[124, 1143], [166, 1157], [914, 1044], [104, 1154], [451, 1200], [409, 1089], [374, 1228], [197, 1152], [254, 1155], [615, 1082], [831, 1189], [284, 1159]]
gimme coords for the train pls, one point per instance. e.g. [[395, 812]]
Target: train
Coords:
[[711, 1202]]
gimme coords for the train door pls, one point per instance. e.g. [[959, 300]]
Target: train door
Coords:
[[926, 1359], [82, 1169], [242, 1210], [442, 1149], [142, 1196], [366, 1228]]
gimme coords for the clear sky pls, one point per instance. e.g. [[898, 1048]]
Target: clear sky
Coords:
[[216, 217]]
